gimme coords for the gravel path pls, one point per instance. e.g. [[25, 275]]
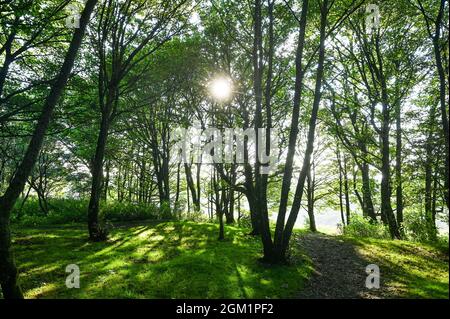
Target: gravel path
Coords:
[[339, 271]]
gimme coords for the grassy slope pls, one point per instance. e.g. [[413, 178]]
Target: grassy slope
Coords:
[[408, 269], [156, 260], [185, 260]]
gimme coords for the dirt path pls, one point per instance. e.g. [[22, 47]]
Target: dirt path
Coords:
[[339, 271]]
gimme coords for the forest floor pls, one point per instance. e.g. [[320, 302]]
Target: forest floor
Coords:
[[173, 259], [155, 259], [407, 270]]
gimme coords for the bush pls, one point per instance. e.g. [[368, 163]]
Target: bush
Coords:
[[116, 211], [415, 226], [195, 216], [165, 211], [30, 209], [245, 221], [66, 211], [61, 211], [362, 227], [416, 229]]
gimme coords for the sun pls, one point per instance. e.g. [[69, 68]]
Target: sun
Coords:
[[221, 88]]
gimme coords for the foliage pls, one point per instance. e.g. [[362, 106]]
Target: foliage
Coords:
[[245, 221], [64, 211], [416, 229], [362, 227], [415, 226], [194, 216]]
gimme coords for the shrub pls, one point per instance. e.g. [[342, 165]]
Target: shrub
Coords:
[[362, 227], [65, 211], [60, 211], [116, 211], [165, 211], [195, 216], [245, 220], [416, 229], [415, 226]]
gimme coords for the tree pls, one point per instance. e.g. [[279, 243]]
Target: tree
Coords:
[[119, 52], [8, 270], [23, 37], [438, 44]]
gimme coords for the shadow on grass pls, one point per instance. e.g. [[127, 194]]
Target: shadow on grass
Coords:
[[408, 269], [153, 260]]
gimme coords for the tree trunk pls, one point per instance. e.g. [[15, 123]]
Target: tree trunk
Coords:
[[262, 181], [221, 226], [188, 199], [227, 206], [260, 189], [8, 270], [398, 166], [19, 214], [442, 95], [341, 204], [362, 163], [355, 190], [281, 250], [386, 208], [230, 216], [293, 133], [367, 192], [177, 192], [310, 200], [96, 233], [190, 183], [346, 195], [283, 232], [42, 202], [254, 217], [106, 181], [199, 166], [433, 204], [219, 208], [4, 72], [231, 199], [431, 227], [429, 214]]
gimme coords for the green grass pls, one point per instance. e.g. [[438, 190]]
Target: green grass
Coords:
[[182, 259], [152, 260], [408, 269]]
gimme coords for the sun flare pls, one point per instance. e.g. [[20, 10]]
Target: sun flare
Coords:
[[221, 88]]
